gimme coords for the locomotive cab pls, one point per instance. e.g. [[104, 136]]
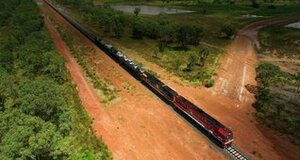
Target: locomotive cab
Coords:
[[226, 136], [228, 139]]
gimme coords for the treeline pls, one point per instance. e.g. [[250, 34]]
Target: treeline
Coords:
[[41, 116], [115, 23], [277, 100]]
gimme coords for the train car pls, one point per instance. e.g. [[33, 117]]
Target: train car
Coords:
[[120, 57], [169, 93], [159, 86], [214, 127]]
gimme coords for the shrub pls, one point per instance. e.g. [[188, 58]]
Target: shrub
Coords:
[[227, 31], [209, 83]]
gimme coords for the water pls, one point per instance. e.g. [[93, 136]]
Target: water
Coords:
[[250, 16], [294, 25], [149, 10]]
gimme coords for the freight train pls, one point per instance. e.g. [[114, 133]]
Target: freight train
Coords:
[[221, 133]]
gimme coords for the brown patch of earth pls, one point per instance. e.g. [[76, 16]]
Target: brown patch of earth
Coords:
[[139, 125]]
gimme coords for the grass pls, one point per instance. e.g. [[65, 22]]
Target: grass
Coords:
[[86, 139], [280, 41], [107, 92]]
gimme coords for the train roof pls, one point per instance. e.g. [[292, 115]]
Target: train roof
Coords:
[[170, 90], [204, 114], [153, 78]]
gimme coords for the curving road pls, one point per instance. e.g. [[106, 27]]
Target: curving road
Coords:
[[238, 66]]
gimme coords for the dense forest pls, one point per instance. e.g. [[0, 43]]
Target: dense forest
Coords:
[[41, 116]]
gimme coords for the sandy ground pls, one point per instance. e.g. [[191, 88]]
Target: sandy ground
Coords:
[[138, 125]]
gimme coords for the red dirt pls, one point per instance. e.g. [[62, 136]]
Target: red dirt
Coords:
[[139, 125], [229, 101]]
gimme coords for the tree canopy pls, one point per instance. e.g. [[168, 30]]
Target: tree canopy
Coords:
[[41, 116]]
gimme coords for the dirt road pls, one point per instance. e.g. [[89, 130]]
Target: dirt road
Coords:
[[237, 70], [238, 65], [138, 125]]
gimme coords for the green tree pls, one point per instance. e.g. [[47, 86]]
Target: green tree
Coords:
[[6, 60], [138, 29], [227, 31], [166, 36], [137, 11], [183, 35], [263, 99], [279, 109], [203, 55], [192, 61], [27, 137], [254, 4], [44, 99], [117, 26], [196, 35], [267, 72], [187, 34], [86, 155], [162, 19]]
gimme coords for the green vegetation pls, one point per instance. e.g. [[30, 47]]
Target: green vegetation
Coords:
[[172, 41], [107, 91], [277, 100], [41, 116], [280, 41]]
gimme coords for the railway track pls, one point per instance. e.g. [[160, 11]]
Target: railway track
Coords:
[[235, 153]]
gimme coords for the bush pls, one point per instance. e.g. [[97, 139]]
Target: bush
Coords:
[[227, 31], [209, 83]]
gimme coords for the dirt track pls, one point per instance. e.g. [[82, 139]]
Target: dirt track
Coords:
[[237, 70], [139, 125], [238, 65]]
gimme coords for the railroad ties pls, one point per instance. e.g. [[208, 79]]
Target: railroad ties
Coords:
[[235, 153]]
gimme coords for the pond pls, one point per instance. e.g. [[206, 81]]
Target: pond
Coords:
[[294, 25], [149, 10]]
